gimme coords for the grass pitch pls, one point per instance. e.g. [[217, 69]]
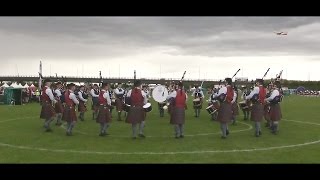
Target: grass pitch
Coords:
[[23, 140]]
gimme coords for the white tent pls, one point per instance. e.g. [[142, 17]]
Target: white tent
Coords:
[[14, 85], [5, 85], [26, 85], [20, 85]]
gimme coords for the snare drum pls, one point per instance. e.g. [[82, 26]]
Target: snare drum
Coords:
[[147, 107], [211, 109]]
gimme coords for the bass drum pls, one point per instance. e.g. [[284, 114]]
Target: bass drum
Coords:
[[160, 93]]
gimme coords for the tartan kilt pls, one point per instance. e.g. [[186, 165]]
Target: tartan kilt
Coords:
[[266, 112], [177, 116], [82, 107], [58, 107], [95, 104], [47, 111], [225, 112], [119, 104], [135, 115], [104, 115], [257, 112], [235, 109], [170, 109], [275, 112], [69, 114]]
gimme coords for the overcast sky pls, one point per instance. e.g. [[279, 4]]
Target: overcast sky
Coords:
[[206, 47]]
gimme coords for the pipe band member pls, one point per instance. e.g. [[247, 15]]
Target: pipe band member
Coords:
[[136, 116], [69, 113], [257, 96], [275, 110], [47, 101]]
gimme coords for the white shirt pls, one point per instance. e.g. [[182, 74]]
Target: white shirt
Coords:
[[174, 95], [73, 97], [234, 97], [117, 91], [274, 94], [201, 92], [93, 94], [144, 95], [49, 93], [106, 95], [80, 96], [58, 92], [253, 92], [222, 90]]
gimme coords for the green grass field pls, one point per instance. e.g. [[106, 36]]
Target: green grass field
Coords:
[[23, 140]]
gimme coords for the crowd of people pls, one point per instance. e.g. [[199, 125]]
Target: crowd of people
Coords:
[[61, 102]]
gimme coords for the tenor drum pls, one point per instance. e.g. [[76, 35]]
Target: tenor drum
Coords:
[[147, 107]]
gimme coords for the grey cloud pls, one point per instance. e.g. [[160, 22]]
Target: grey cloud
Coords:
[[91, 37]]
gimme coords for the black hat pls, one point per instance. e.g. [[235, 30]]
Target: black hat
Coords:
[[228, 80], [105, 84], [81, 86], [59, 82], [260, 81], [277, 83], [137, 83], [71, 85], [47, 80]]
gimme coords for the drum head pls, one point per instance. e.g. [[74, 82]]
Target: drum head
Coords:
[[160, 93], [209, 107], [147, 105]]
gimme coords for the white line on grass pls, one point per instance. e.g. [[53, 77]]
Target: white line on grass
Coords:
[[159, 153], [167, 153], [190, 135]]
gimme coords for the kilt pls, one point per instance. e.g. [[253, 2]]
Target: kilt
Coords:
[[266, 112], [82, 107], [177, 116], [69, 114], [225, 112], [235, 109], [170, 109], [95, 104], [136, 115], [104, 115], [119, 104], [257, 112], [47, 111], [275, 112], [58, 107]]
